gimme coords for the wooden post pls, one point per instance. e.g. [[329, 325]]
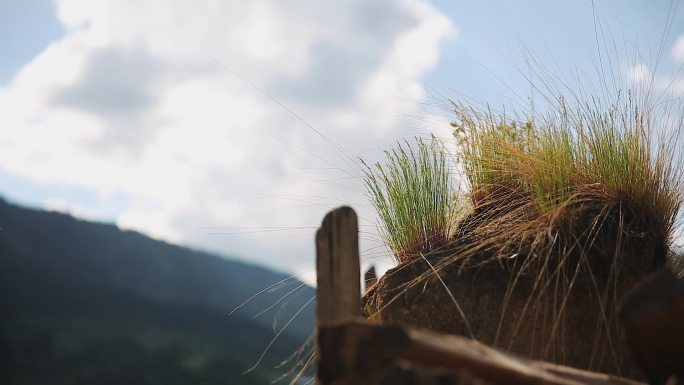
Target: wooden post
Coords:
[[338, 272], [370, 278], [337, 268], [652, 316]]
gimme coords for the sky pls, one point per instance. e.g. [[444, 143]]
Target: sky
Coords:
[[234, 126]]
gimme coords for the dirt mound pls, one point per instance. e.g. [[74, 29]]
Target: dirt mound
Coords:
[[570, 319]]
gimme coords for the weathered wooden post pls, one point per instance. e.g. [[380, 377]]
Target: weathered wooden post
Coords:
[[370, 278], [338, 274], [652, 316]]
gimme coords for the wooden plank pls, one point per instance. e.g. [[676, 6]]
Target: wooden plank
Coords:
[[584, 376], [359, 349], [404, 373], [495, 366], [652, 315]]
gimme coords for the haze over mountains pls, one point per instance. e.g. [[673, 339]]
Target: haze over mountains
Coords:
[[85, 302]]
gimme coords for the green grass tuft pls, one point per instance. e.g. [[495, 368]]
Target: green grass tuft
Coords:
[[413, 196]]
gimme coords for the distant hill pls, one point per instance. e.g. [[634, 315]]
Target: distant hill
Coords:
[[85, 302]]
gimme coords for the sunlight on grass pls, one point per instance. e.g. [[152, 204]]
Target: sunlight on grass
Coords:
[[413, 196], [586, 157], [591, 164]]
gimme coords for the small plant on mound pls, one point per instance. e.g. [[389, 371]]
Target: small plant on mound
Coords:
[[413, 197]]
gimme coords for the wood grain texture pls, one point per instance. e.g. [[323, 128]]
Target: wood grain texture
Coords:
[[357, 352], [337, 268], [338, 274]]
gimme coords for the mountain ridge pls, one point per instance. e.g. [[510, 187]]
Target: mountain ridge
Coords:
[[57, 271]]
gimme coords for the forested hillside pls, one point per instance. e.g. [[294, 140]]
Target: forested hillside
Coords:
[[87, 302]]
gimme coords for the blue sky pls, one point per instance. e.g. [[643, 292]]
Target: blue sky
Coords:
[[234, 126], [494, 36], [27, 28]]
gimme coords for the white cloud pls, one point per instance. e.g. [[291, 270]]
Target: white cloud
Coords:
[[639, 73], [148, 99], [72, 208], [678, 50], [669, 84]]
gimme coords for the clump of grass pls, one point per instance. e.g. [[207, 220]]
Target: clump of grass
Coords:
[[583, 200], [413, 196], [579, 163], [586, 170]]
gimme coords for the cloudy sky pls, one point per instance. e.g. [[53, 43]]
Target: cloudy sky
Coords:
[[233, 126]]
